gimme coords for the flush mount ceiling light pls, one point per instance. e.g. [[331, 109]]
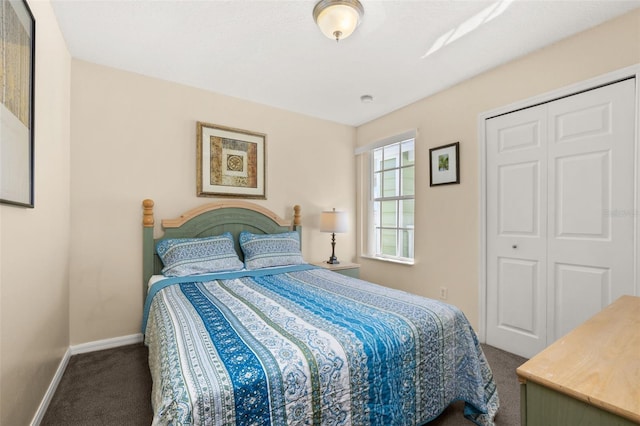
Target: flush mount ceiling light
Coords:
[[338, 19]]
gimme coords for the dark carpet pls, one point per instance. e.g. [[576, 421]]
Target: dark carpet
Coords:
[[109, 387], [113, 387]]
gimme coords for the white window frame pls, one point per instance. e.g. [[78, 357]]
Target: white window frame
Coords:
[[370, 228]]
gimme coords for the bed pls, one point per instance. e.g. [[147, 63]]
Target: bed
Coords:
[[242, 331]]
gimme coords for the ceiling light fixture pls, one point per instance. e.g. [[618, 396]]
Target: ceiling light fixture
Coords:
[[337, 19]]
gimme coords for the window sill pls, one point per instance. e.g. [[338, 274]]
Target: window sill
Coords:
[[389, 259]]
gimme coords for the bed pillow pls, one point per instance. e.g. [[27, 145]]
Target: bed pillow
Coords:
[[267, 250], [189, 256]]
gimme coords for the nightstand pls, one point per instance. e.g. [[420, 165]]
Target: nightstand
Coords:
[[344, 268]]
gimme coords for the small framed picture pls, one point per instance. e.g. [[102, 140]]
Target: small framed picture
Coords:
[[445, 164], [230, 162]]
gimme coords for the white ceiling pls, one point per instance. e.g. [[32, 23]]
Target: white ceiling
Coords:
[[271, 52]]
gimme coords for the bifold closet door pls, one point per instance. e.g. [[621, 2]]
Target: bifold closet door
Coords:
[[517, 231], [560, 215]]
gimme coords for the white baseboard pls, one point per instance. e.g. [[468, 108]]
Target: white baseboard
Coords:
[[75, 350], [46, 400], [99, 345]]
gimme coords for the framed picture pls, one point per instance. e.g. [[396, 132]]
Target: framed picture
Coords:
[[17, 53], [230, 162], [445, 164]]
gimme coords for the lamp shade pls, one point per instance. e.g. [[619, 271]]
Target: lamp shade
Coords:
[[337, 19], [333, 221]]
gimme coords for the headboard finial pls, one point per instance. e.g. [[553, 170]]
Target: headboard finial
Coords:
[[297, 218], [147, 214]]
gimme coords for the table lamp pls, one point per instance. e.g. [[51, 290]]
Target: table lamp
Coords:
[[335, 222]]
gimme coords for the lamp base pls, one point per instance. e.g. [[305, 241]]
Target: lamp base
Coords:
[[333, 260]]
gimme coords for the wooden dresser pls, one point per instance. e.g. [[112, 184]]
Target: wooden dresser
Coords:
[[591, 376]]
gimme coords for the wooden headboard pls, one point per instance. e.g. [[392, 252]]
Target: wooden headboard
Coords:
[[207, 220]]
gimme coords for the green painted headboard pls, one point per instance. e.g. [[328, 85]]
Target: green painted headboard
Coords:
[[209, 219]]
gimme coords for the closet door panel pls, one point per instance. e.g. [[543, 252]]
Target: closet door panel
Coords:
[[583, 193], [593, 286], [591, 176], [516, 231], [519, 199], [517, 292]]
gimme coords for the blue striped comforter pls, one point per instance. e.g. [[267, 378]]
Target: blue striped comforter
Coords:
[[309, 347]]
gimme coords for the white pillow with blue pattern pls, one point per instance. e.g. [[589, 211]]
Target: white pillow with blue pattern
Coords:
[[191, 256], [267, 250]]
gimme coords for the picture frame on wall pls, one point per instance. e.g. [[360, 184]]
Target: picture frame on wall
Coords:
[[17, 66], [230, 162], [445, 164]]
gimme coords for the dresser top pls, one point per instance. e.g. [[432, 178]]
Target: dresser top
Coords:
[[598, 362]]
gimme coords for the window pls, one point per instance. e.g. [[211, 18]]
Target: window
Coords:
[[391, 230]]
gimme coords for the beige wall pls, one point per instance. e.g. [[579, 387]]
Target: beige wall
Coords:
[[35, 242], [134, 137], [447, 217]]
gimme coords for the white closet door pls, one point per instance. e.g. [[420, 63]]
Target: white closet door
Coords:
[[516, 231], [560, 207], [591, 204]]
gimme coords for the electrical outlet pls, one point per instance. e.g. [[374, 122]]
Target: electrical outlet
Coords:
[[444, 293]]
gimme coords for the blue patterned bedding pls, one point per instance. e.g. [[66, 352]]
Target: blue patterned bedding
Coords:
[[309, 347]]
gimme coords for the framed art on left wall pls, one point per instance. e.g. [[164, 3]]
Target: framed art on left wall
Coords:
[[17, 53], [230, 162]]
